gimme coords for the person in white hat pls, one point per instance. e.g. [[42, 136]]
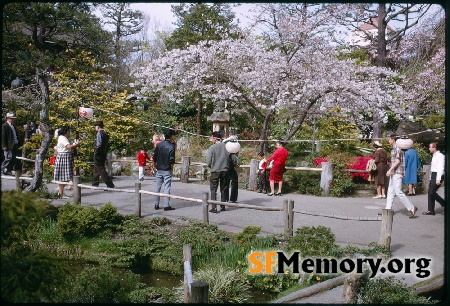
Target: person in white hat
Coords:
[[10, 145]]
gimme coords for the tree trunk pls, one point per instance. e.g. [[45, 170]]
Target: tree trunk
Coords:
[[199, 115], [381, 39], [381, 60], [265, 128], [47, 132]]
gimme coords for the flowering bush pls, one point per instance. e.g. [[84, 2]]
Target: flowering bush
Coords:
[[357, 163], [318, 161], [360, 163]]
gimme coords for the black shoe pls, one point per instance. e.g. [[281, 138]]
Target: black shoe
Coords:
[[222, 208], [233, 201], [141, 179], [259, 191], [110, 185], [8, 173], [156, 207], [168, 208], [213, 210], [94, 185], [270, 194]]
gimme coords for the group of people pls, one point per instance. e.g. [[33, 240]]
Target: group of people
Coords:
[[223, 163], [63, 170], [276, 166], [403, 170]]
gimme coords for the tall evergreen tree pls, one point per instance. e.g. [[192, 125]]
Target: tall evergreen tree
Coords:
[[201, 21], [37, 34]]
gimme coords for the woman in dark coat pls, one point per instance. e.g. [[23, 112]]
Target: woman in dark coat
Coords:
[[381, 162]]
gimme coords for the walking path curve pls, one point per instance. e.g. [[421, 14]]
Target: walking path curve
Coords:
[[355, 220]]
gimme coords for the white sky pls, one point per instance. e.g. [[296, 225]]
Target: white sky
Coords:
[[162, 12]]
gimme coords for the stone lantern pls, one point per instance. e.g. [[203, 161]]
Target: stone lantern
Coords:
[[220, 119], [17, 83]]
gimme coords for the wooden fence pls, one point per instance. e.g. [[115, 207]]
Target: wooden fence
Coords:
[[326, 171]]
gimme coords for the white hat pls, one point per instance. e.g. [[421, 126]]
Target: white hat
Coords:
[[10, 115], [377, 143]]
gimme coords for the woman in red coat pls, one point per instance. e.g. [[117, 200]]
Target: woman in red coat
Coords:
[[279, 158]]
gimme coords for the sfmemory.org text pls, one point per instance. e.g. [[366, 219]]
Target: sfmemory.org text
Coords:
[[263, 262]]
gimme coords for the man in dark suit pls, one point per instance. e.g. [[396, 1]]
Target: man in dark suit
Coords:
[[10, 144], [100, 152]]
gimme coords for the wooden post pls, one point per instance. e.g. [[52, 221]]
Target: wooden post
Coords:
[[386, 228], [184, 175], [291, 218], [352, 284], [253, 175], [199, 293], [205, 197], [187, 256], [76, 190], [137, 188], [426, 177], [17, 174], [286, 218], [326, 177], [109, 164]]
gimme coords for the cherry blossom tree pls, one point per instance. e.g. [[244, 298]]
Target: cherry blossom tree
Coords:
[[246, 74]]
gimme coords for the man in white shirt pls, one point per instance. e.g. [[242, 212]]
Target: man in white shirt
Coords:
[[437, 177]]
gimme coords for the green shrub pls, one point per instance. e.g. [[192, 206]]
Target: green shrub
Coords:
[[225, 285], [76, 221], [30, 276], [100, 285], [304, 182], [342, 184], [18, 212], [388, 290], [154, 295], [273, 283], [248, 234], [312, 241]]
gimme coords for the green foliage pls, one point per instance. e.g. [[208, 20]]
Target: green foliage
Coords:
[[200, 21], [312, 241], [153, 295], [100, 285], [373, 249], [30, 276], [62, 24], [388, 290], [202, 237], [273, 283], [434, 121], [248, 234], [76, 221], [337, 126], [18, 212], [225, 285], [423, 152], [360, 55], [75, 87], [304, 182], [342, 183]]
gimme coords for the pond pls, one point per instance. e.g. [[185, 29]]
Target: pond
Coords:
[[163, 279], [167, 280]]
